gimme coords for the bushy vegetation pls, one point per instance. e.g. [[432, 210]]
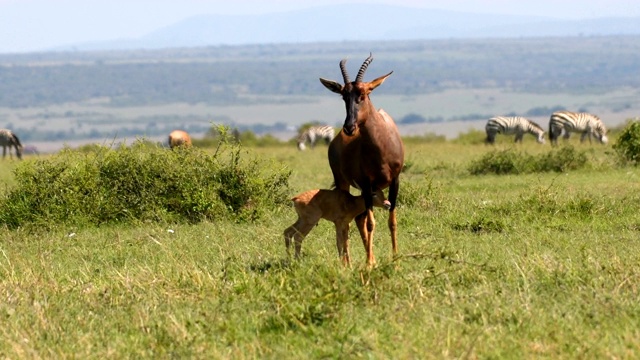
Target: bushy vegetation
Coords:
[[511, 161], [142, 182], [627, 147]]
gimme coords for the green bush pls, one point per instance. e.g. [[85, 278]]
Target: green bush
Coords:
[[500, 162], [627, 147], [510, 161], [142, 182], [560, 160]]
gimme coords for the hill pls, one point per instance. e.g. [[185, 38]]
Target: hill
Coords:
[[356, 22]]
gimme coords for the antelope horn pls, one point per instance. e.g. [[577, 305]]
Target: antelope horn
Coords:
[[343, 68], [363, 68]]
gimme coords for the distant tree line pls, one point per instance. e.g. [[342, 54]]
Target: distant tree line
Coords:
[[231, 75]]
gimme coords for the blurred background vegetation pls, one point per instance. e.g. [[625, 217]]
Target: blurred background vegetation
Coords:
[[61, 96]]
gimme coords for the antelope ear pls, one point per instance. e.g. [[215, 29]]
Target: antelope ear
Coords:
[[332, 85], [377, 82]]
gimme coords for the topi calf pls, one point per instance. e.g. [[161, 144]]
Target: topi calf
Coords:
[[337, 206]]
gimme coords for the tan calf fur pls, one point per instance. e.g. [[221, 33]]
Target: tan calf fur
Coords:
[[179, 138]]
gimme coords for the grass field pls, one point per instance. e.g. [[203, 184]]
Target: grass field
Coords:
[[541, 265]]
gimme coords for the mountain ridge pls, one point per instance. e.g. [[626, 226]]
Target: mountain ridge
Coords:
[[355, 22]]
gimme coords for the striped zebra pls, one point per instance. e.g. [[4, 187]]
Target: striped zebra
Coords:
[[510, 125], [9, 139], [568, 122], [314, 134]]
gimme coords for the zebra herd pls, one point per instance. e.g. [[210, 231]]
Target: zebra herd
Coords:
[[561, 122]]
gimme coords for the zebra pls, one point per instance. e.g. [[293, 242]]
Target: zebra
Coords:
[[513, 125], [585, 123], [315, 133], [8, 138]]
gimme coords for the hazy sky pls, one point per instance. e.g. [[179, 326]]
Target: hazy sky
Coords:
[[31, 25]]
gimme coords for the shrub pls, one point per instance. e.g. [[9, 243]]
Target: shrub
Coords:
[[627, 147], [499, 162], [560, 160], [512, 162], [143, 182]]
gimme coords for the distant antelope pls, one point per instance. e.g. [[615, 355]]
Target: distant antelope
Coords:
[[314, 134], [9, 139], [335, 205], [179, 138], [368, 153], [568, 122], [510, 125]]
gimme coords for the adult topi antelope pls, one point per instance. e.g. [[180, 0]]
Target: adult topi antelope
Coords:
[[179, 138], [368, 153]]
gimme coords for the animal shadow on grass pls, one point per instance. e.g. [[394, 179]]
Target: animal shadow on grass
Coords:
[[271, 265]]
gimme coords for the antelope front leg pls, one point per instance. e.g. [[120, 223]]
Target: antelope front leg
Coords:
[[342, 242], [394, 188], [371, 226], [288, 236]]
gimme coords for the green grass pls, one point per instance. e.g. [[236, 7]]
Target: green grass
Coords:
[[542, 265]]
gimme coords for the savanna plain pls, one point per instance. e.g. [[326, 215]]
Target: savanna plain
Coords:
[[521, 265]]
